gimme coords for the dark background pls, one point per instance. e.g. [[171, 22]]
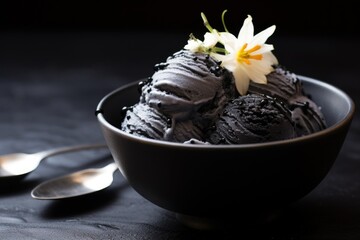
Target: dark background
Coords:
[[292, 17], [94, 34]]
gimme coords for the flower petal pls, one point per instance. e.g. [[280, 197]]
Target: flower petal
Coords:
[[270, 57], [264, 66], [246, 32], [257, 75], [193, 45], [261, 37], [241, 80], [227, 61], [229, 41], [210, 39]]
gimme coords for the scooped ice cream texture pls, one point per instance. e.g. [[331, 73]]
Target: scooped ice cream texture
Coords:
[[185, 100], [286, 87], [252, 118], [182, 98], [193, 97]]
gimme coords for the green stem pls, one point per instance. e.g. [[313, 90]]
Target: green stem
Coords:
[[219, 50], [206, 22], [223, 20]]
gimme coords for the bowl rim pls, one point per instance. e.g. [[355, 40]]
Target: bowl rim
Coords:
[[322, 133]]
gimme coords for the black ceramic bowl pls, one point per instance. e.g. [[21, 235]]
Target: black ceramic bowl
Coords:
[[216, 180]]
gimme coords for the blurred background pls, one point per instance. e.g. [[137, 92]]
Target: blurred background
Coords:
[[303, 17], [317, 39]]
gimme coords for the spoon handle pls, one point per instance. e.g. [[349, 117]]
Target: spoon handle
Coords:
[[55, 151], [112, 167]]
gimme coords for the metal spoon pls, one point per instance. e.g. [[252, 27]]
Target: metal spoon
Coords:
[[76, 184], [20, 164]]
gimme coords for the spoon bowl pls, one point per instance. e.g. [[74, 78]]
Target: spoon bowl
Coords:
[[76, 184], [18, 165]]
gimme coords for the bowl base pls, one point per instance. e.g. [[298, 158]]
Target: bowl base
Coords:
[[199, 223], [226, 221]]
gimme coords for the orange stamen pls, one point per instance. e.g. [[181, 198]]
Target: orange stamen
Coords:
[[256, 57], [255, 48], [247, 61], [244, 56], [243, 48]]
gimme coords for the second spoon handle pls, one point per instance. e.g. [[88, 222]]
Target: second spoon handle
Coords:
[[55, 151]]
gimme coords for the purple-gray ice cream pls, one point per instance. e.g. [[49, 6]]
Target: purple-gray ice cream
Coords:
[[188, 84], [190, 98], [307, 115], [281, 84], [144, 121], [189, 90], [253, 118], [286, 87]]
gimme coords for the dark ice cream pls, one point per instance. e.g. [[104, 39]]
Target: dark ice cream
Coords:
[[286, 87], [253, 118], [190, 97], [184, 96]]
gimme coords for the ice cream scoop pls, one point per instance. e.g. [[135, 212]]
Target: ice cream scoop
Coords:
[[184, 96], [142, 120], [307, 115], [253, 118], [281, 84], [186, 84], [286, 87]]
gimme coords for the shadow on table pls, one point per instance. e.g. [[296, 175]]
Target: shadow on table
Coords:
[[305, 220], [11, 187]]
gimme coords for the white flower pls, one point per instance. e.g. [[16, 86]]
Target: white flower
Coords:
[[247, 56], [210, 40], [194, 45]]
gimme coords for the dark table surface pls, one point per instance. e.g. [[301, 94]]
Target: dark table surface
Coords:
[[50, 84]]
